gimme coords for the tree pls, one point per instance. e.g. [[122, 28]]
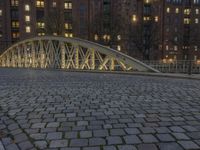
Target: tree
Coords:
[[54, 22]]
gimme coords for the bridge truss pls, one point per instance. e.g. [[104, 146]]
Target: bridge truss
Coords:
[[68, 53]]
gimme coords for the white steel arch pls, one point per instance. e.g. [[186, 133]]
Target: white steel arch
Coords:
[[68, 53]]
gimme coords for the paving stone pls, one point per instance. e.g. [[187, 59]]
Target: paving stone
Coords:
[[20, 137], [189, 145], [132, 139], [118, 132], [12, 147], [180, 136], [165, 137], [169, 146], [54, 136], [85, 134], [79, 142], [114, 140], [109, 148], [91, 148], [58, 143], [100, 133], [71, 135], [126, 147], [25, 145], [177, 129], [148, 138], [97, 141], [70, 148], [38, 136], [147, 147], [132, 131], [41, 144], [38, 125], [53, 125]]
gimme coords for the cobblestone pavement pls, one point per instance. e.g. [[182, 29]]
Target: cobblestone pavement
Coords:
[[88, 111]]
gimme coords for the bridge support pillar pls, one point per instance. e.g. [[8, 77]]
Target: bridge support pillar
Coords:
[[92, 59], [33, 55], [62, 55], [76, 57], [42, 55], [112, 64]]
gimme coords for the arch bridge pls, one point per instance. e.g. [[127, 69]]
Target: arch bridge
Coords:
[[68, 53]]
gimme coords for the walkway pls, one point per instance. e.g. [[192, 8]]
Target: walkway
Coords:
[[95, 111]]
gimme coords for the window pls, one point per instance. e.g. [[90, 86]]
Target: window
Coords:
[[28, 29], [41, 34], [118, 47], [156, 18], [96, 37], [119, 37], [40, 25], [175, 47], [196, 20], [168, 10], [177, 10], [68, 26], [54, 4], [27, 18], [186, 21], [14, 2], [27, 7], [1, 35], [167, 47], [15, 24], [187, 11], [15, 35], [40, 3], [1, 12], [68, 35], [197, 11], [134, 18], [195, 48], [68, 5]]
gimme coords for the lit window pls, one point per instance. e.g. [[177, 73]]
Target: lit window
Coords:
[[40, 24], [40, 3], [195, 48], [147, 1], [167, 47], [187, 11], [68, 35], [55, 34], [196, 20], [14, 2], [27, 7], [1, 35], [197, 11], [41, 34], [15, 24], [118, 47], [54, 4], [119, 37], [15, 35], [68, 5], [175, 47], [177, 10], [1, 12], [195, 57], [134, 18], [146, 18], [96, 37], [28, 29], [27, 18], [168, 10], [186, 21], [156, 18], [68, 26]]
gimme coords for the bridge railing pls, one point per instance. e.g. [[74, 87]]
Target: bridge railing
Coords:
[[175, 66]]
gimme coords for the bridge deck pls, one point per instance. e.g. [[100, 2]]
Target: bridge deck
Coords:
[[90, 111]]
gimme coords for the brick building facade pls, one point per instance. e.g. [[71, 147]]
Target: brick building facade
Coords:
[[149, 29]]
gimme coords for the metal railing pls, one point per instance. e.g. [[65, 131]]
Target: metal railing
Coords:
[[176, 66]]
